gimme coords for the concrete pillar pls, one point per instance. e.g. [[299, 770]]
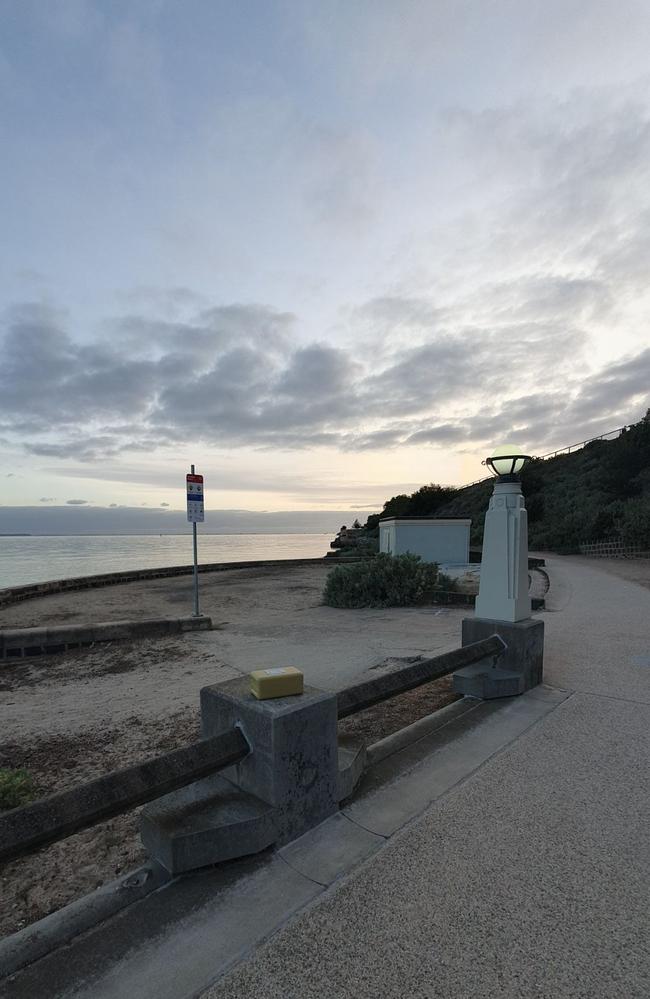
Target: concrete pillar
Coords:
[[503, 590], [516, 670], [503, 604], [293, 765]]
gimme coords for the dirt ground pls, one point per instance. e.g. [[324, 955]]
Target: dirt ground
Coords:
[[39, 884], [73, 717]]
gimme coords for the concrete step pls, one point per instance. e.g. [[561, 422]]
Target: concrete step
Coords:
[[487, 682], [352, 758], [205, 823], [212, 820]]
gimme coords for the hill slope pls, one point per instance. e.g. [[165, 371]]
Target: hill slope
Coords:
[[601, 491]]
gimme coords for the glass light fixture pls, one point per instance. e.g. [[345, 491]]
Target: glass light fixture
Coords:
[[506, 460]]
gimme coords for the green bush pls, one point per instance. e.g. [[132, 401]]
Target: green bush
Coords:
[[367, 546], [634, 524], [16, 788], [446, 583], [383, 581]]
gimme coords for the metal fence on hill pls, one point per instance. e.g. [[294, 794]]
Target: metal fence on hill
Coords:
[[611, 435]]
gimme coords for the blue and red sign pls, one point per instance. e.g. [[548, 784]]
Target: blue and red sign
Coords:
[[195, 512]]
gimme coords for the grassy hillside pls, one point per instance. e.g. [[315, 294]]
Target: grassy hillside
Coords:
[[599, 492]]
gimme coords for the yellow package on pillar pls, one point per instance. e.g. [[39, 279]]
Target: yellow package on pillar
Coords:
[[279, 682]]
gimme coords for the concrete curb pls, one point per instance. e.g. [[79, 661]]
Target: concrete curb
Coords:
[[15, 594], [16, 643], [60, 927], [418, 729]]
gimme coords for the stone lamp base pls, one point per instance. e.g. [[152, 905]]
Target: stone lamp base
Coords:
[[519, 668]]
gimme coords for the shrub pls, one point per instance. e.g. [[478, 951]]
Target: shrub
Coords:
[[383, 581], [446, 583], [634, 524], [368, 546], [16, 788]]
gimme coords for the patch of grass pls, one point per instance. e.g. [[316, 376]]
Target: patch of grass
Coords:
[[16, 788]]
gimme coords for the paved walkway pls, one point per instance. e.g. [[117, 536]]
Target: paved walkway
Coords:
[[530, 878]]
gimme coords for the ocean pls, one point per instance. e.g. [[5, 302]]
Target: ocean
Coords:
[[37, 559]]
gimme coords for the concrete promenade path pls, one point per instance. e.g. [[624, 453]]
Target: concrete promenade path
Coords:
[[531, 878]]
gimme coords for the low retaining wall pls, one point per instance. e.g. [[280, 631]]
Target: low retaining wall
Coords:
[[16, 643], [15, 594]]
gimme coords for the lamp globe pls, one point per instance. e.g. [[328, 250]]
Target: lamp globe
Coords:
[[507, 459]]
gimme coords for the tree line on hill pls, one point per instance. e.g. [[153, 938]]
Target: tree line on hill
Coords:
[[598, 493]]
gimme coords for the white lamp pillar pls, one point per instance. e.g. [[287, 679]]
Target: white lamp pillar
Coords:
[[503, 589], [503, 605]]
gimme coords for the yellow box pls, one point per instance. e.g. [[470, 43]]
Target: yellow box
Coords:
[[279, 682]]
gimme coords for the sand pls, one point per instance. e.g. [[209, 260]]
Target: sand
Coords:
[[72, 717]]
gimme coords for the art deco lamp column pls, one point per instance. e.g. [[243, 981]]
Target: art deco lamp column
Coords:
[[503, 604], [503, 591]]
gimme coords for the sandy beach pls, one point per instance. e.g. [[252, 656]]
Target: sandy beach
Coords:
[[72, 717]]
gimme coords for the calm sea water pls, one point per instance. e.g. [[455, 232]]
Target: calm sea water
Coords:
[[34, 560]]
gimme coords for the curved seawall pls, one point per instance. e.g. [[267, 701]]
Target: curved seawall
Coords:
[[14, 594]]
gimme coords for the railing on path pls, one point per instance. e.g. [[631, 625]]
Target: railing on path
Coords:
[[610, 435], [380, 688], [614, 548], [23, 830]]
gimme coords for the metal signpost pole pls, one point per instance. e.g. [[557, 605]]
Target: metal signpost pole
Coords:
[[195, 514], [196, 568], [196, 574]]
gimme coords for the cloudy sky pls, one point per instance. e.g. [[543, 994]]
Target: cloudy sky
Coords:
[[327, 251]]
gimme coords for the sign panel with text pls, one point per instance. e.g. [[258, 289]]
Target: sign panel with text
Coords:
[[195, 512]]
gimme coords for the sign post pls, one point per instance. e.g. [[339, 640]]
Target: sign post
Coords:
[[195, 515]]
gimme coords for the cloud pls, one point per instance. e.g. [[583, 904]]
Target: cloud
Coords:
[[164, 504], [488, 329], [235, 376], [76, 502], [46, 499]]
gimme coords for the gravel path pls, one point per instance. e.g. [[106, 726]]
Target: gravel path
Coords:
[[529, 879], [634, 570]]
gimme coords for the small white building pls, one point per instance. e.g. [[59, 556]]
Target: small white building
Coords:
[[434, 539]]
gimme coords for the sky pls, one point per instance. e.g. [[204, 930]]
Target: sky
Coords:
[[325, 251]]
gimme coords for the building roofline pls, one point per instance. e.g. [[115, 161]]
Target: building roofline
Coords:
[[425, 520]]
